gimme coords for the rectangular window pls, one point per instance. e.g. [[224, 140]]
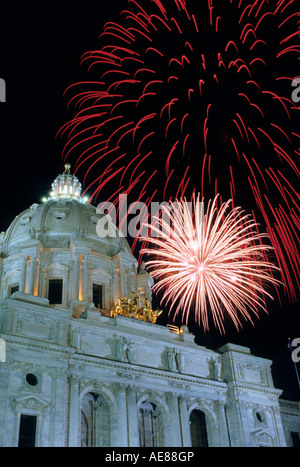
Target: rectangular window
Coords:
[[97, 295], [55, 291], [27, 432]]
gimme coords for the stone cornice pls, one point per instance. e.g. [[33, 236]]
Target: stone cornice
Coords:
[[240, 387], [36, 344], [73, 358], [290, 408], [134, 371]]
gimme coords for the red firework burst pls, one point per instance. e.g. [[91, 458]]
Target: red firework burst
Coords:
[[187, 97]]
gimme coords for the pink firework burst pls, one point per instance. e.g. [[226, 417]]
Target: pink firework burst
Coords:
[[211, 265], [187, 96]]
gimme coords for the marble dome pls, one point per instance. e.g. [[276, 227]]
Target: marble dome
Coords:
[[57, 242], [62, 217]]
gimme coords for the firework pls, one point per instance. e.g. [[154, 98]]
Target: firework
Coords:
[[213, 265], [186, 97]]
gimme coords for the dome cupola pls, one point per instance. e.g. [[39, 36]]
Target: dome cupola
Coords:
[[66, 186]]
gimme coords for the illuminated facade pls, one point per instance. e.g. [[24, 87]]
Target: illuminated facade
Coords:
[[72, 375]]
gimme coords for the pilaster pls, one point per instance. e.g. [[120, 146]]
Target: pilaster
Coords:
[[132, 414], [184, 422], [122, 417], [74, 412]]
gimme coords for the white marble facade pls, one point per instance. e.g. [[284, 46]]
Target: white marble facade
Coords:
[[70, 375]]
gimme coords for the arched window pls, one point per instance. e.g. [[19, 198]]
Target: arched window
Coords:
[[87, 420], [84, 430], [198, 429], [150, 425], [95, 421], [102, 423]]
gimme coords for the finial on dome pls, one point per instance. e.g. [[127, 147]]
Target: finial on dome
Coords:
[[67, 169]]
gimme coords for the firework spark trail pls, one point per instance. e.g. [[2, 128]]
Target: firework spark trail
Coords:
[[210, 266], [197, 98]]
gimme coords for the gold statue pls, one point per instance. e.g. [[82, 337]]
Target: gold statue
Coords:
[[67, 168], [121, 308], [129, 307], [154, 315], [133, 304]]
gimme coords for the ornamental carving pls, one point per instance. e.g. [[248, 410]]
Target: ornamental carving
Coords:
[[25, 220], [30, 402], [125, 350]]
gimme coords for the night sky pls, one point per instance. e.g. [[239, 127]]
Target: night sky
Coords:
[[40, 49]]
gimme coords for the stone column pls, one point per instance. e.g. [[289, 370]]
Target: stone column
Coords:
[[86, 277], [133, 424], [96, 424], [123, 282], [172, 402], [117, 284], [122, 414], [219, 407], [37, 277], [32, 274], [129, 282], [184, 423], [74, 412], [76, 277], [23, 274]]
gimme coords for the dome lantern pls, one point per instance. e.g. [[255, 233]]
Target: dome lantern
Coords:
[[66, 186]]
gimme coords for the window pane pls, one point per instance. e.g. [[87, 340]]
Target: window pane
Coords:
[[97, 295], [150, 425], [55, 291], [27, 431]]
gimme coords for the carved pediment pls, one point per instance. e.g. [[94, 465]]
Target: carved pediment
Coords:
[[30, 402], [56, 269]]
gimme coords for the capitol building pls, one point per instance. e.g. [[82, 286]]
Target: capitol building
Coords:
[[83, 362]]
